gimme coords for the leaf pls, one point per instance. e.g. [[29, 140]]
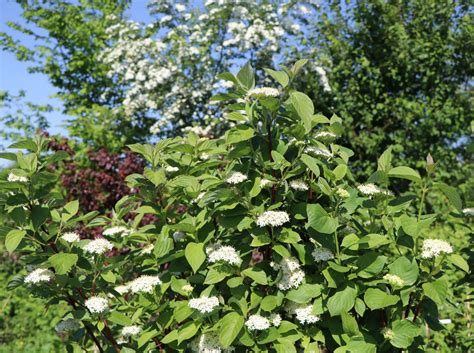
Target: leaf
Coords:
[[257, 274], [229, 328], [25, 144], [146, 337], [195, 255], [304, 293], [376, 299], [188, 331], [436, 290], [311, 163], [119, 318], [458, 261], [13, 239], [279, 76], [63, 262], [39, 214], [404, 173], [404, 332], [385, 160], [349, 324], [298, 65], [246, 76], [370, 264], [340, 171], [320, 220], [71, 209], [342, 301], [452, 195], [238, 134], [304, 108], [405, 269]]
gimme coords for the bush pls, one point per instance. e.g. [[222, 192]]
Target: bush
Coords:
[[264, 241]]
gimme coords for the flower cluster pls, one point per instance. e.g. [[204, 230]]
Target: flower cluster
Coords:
[[67, 325], [321, 254], [394, 280], [325, 136], [39, 275], [318, 151], [291, 274], [435, 247], [263, 92], [265, 183], [236, 178], [209, 343], [257, 323], [129, 331], [204, 304], [299, 185], [98, 246], [273, 218], [372, 190], [224, 253], [97, 305], [117, 230], [144, 284], [303, 313], [342, 193], [13, 178], [71, 237]]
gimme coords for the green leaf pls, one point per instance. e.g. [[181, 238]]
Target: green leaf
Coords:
[[349, 324], [340, 171], [71, 209], [304, 108], [458, 261], [279, 76], [39, 214], [311, 163], [119, 318], [377, 299], [451, 193], [304, 293], [370, 264], [342, 301], [436, 290], [257, 274], [385, 160], [229, 328], [25, 144], [404, 333], [405, 269], [188, 331], [195, 255], [320, 220], [298, 65], [404, 173], [13, 239], [238, 134], [63, 262], [246, 76]]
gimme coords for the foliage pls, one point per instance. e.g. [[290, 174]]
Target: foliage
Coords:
[[401, 76], [266, 225]]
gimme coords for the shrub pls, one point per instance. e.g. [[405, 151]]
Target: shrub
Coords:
[[264, 241]]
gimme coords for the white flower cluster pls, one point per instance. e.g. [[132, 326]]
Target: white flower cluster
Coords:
[[323, 79], [387, 333], [303, 313], [394, 280], [236, 178], [178, 236], [67, 325], [273, 218], [39, 275], [325, 135], [275, 319], [98, 246], [263, 92], [257, 323], [129, 331], [204, 304], [71, 237], [13, 178], [148, 249], [144, 284], [299, 185], [318, 151], [342, 193], [117, 230], [171, 169], [265, 183], [322, 254], [435, 247], [224, 253], [208, 343], [469, 211], [291, 274], [122, 289], [372, 189], [97, 305]]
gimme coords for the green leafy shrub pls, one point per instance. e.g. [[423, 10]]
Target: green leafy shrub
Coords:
[[264, 241]]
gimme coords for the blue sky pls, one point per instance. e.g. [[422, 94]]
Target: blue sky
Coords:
[[15, 77]]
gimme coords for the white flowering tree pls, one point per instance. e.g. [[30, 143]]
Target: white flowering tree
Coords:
[[264, 241]]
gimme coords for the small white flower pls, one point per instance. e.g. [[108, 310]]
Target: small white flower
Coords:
[[204, 304], [67, 325], [171, 169], [445, 321], [129, 331], [317, 151], [180, 7], [273, 218], [291, 274], [178, 236], [97, 305], [299, 185], [187, 288], [39, 275], [98, 246], [468, 211], [225, 253], [208, 343], [117, 230], [263, 92], [265, 183], [275, 319], [144, 284], [204, 156], [13, 178], [236, 178], [122, 289], [71, 237], [322, 254], [372, 189], [342, 193], [148, 249], [257, 323], [435, 247], [304, 315], [325, 136], [394, 280]]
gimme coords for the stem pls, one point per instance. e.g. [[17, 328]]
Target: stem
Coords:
[[270, 149]]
